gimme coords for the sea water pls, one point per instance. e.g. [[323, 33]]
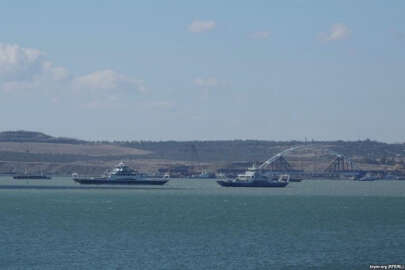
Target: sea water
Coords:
[[197, 224]]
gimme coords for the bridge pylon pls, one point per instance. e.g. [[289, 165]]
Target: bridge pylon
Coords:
[[340, 164]]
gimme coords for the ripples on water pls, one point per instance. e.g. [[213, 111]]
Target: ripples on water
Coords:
[[196, 224]]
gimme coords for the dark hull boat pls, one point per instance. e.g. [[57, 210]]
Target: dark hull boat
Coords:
[[106, 181], [32, 177], [230, 183], [296, 179]]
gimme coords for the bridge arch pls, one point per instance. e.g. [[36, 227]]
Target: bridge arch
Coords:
[[339, 164]]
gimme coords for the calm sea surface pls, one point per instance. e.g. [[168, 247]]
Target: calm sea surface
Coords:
[[196, 224]]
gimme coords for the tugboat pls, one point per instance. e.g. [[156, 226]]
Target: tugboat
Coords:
[[254, 178], [120, 175]]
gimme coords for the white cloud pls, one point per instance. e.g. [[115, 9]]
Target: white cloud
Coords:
[[17, 63], [11, 86], [260, 35], [201, 26], [338, 31], [206, 82], [26, 68], [107, 80], [23, 69], [55, 73]]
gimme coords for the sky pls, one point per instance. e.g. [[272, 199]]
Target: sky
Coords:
[[204, 70]]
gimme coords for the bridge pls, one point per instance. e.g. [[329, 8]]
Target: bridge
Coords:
[[340, 165]]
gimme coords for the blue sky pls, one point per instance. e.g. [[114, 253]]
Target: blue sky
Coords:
[[186, 70]]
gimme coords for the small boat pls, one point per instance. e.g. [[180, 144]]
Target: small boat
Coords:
[[204, 175], [120, 175], [391, 177], [10, 173], [32, 177], [27, 176], [254, 178], [296, 179], [292, 178], [367, 177]]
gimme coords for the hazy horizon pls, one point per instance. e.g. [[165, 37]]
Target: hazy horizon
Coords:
[[305, 140], [186, 71]]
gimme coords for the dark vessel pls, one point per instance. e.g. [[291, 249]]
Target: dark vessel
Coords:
[[254, 178], [32, 177], [296, 179], [121, 175], [7, 173], [27, 176]]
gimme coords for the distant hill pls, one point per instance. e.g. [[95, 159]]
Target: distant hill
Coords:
[[259, 150], [195, 151], [30, 146], [30, 151], [32, 136], [21, 149]]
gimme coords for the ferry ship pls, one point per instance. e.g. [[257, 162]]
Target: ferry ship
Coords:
[[120, 175]]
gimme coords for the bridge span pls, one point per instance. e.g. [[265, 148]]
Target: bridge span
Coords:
[[337, 167]]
